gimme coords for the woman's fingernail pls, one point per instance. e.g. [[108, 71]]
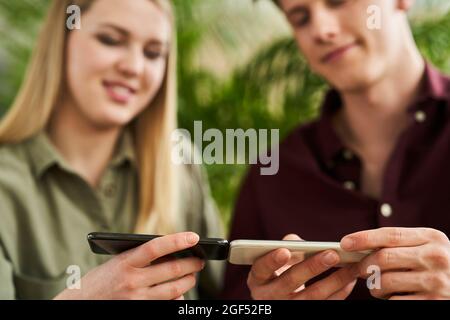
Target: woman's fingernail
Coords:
[[330, 258], [192, 238], [347, 243]]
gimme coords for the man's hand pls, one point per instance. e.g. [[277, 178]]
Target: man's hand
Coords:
[[280, 275], [414, 262]]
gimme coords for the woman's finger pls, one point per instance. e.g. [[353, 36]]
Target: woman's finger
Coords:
[[143, 255], [171, 290], [173, 269]]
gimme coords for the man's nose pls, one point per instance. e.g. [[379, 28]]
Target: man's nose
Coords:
[[325, 26]]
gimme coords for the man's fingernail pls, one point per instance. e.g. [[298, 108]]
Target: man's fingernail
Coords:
[[192, 238], [347, 243], [279, 258], [330, 258]]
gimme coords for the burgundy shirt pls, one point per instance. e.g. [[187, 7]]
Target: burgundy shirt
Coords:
[[316, 191]]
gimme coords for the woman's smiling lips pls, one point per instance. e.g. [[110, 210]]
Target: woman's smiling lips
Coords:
[[337, 53], [119, 92]]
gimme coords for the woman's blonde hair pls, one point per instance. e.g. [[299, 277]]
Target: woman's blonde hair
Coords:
[[41, 92]]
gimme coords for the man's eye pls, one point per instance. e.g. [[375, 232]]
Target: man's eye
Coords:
[[108, 40], [300, 21]]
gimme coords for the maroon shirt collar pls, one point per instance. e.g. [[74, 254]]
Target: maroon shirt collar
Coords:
[[435, 87]]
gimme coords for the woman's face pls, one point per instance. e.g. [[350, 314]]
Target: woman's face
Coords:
[[116, 62]]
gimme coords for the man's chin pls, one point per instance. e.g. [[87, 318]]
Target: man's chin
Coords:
[[351, 83], [351, 87], [354, 79]]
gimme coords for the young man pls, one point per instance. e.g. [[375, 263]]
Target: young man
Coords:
[[377, 159]]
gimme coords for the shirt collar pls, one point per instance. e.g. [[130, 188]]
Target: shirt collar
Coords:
[[125, 151], [44, 155], [329, 143], [435, 87]]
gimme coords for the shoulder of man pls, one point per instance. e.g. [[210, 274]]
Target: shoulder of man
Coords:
[[297, 144]]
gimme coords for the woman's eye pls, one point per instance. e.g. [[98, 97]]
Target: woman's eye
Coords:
[[153, 54], [108, 40]]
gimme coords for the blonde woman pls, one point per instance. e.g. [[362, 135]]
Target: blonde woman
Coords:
[[86, 147]]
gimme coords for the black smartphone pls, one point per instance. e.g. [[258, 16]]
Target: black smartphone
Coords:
[[116, 243]]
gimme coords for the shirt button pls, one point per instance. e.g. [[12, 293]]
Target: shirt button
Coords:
[[348, 155], [349, 185], [420, 116], [110, 190], [386, 210], [330, 164]]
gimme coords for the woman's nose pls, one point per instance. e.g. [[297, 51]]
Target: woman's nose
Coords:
[[132, 63]]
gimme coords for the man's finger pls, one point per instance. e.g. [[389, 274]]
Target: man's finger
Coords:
[[389, 259], [293, 237], [343, 293], [299, 274], [384, 238], [265, 267], [409, 297], [296, 256], [143, 255], [395, 282], [332, 284]]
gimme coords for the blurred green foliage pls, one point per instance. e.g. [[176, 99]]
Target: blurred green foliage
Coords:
[[275, 89]]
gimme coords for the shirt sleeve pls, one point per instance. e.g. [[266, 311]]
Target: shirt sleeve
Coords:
[[6, 278], [246, 225], [7, 291], [211, 226]]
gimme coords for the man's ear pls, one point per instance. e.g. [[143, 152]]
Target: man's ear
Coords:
[[405, 5]]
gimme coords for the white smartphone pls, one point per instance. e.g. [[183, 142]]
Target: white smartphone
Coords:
[[245, 252]]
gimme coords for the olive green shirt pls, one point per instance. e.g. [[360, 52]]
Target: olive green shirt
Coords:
[[47, 210]]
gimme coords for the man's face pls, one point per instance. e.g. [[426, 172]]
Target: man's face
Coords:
[[338, 43]]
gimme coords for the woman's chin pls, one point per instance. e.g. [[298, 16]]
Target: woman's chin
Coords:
[[111, 122]]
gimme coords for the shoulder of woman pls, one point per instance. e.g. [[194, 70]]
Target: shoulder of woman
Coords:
[[189, 157], [15, 171]]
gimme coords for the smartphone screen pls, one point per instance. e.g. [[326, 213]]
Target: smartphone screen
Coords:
[[116, 243]]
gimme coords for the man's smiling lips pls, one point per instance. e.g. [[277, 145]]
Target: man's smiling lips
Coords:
[[337, 53]]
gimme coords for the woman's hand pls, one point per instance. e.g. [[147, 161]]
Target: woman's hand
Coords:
[[137, 275], [414, 262]]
